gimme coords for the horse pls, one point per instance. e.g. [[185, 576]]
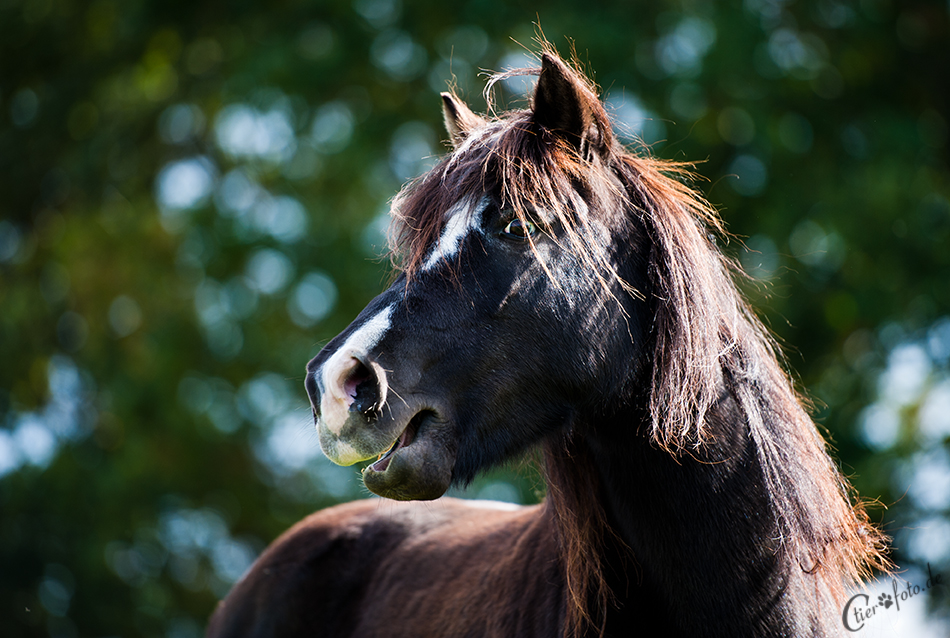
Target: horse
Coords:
[[557, 291]]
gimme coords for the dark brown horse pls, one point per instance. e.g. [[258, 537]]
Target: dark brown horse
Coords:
[[557, 290]]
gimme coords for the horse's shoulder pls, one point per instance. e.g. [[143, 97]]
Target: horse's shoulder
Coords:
[[313, 573], [304, 576]]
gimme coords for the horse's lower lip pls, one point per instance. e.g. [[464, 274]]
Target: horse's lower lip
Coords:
[[420, 465]]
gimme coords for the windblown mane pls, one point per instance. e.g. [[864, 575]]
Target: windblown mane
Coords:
[[705, 336]]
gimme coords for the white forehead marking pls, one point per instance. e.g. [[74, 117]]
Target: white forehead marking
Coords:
[[461, 221], [334, 402]]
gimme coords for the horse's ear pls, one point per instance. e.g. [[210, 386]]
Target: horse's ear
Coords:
[[566, 106], [459, 119]]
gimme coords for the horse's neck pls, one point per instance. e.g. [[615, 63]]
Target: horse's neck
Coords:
[[704, 536]]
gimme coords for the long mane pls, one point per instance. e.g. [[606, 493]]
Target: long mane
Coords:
[[705, 337]]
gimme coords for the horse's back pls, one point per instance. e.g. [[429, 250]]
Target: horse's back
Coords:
[[383, 568]]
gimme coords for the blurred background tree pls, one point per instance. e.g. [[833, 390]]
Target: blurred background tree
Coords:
[[194, 200]]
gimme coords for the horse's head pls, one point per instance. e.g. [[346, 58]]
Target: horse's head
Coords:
[[524, 302]]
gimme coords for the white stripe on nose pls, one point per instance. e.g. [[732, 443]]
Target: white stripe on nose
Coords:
[[335, 397]]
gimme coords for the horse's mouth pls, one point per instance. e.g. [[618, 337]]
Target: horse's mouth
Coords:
[[403, 440]]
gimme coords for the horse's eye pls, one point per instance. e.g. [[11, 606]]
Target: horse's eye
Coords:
[[520, 229]]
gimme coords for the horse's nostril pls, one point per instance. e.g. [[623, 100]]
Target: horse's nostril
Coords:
[[349, 381], [362, 387]]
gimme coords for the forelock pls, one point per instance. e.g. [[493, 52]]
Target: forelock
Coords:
[[527, 169]]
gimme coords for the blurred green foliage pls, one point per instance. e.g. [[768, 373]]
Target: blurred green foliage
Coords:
[[193, 202]]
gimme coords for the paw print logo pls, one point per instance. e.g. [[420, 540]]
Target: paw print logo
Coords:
[[885, 601]]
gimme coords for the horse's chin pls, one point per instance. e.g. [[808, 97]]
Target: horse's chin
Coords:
[[418, 466]]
